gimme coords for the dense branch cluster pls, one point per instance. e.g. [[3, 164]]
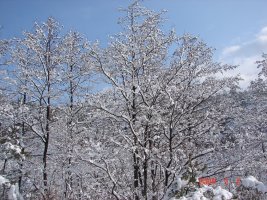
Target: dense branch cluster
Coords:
[[167, 115]]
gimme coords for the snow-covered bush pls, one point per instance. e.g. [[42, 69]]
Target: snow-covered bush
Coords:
[[251, 189], [207, 193], [185, 190]]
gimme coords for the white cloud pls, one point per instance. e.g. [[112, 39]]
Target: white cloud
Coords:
[[245, 56], [231, 49], [262, 36], [263, 30]]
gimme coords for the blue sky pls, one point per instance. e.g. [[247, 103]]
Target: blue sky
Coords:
[[236, 28]]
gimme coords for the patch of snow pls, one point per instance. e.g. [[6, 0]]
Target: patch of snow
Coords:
[[3, 180], [221, 194], [253, 183], [181, 183], [15, 148], [198, 195], [13, 193]]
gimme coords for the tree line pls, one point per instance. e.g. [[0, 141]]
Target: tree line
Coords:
[[167, 113]]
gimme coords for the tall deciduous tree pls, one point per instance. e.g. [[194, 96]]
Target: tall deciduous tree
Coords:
[[37, 57], [53, 78], [254, 128], [163, 107], [76, 73]]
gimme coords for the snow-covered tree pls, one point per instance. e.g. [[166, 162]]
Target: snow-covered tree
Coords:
[[3, 50], [76, 73], [37, 57], [164, 109], [253, 124], [52, 77], [166, 117]]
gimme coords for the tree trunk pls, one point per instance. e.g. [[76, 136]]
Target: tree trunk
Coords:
[[23, 131], [48, 110]]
